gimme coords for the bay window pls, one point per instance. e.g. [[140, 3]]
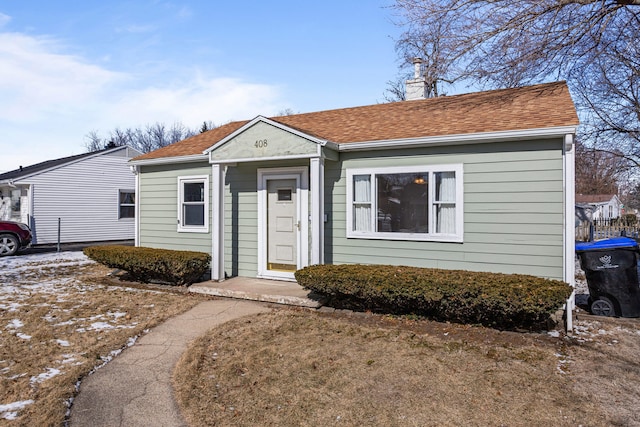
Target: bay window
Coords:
[[405, 203]]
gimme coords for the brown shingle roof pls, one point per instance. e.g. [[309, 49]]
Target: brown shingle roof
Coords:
[[540, 106]]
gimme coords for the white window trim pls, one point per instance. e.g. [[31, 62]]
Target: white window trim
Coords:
[[126, 190], [192, 228], [428, 237]]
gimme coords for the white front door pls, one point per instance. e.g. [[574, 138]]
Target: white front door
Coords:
[[283, 225], [283, 234]]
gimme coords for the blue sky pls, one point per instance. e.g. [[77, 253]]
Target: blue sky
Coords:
[[71, 67]]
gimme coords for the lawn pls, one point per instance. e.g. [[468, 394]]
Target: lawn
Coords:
[[301, 368], [59, 320]]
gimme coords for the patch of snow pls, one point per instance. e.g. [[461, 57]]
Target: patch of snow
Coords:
[[554, 334], [67, 322], [116, 315], [99, 326], [131, 326], [15, 377], [12, 415], [51, 372], [9, 411], [15, 324], [63, 343], [68, 358], [23, 336], [14, 306]]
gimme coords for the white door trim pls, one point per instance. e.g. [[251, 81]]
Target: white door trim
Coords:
[[301, 175]]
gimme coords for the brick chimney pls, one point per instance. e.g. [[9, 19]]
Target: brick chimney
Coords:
[[417, 87]]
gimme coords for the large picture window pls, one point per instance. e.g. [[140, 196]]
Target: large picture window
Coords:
[[409, 203], [193, 204]]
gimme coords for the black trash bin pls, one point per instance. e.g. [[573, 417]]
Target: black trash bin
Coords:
[[611, 267]]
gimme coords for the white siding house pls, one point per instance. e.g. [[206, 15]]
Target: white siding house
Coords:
[[86, 198], [603, 206]]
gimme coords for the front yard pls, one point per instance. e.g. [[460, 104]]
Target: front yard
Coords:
[[60, 318], [296, 368]]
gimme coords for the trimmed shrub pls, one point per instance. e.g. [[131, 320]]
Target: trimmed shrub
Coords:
[[506, 301], [146, 264]]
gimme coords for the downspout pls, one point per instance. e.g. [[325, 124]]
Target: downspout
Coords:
[[569, 225], [136, 222]]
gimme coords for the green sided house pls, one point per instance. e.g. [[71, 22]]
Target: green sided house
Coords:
[[482, 181]]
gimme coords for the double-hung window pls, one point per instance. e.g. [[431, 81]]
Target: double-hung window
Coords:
[[193, 204], [406, 203], [126, 204]]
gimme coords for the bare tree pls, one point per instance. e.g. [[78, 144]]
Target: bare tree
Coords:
[[598, 171], [285, 112], [146, 139], [396, 89], [593, 44]]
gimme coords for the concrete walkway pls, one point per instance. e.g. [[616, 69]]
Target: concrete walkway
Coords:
[[248, 288], [135, 388]]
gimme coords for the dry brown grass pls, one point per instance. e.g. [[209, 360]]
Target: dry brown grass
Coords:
[[59, 319], [292, 368]]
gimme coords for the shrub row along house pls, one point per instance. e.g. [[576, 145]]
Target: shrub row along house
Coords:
[[482, 181]]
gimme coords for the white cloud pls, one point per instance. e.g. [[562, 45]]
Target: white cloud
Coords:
[[51, 100], [191, 102], [36, 82], [4, 19]]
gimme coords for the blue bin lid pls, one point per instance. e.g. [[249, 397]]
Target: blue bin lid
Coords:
[[615, 243]]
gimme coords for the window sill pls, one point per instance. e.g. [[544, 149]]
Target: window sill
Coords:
[[407, 237], [193, 230]]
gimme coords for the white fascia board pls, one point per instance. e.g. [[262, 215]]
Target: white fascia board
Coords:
[[458, 139], [168, 160], [321, 142], [263, 159]]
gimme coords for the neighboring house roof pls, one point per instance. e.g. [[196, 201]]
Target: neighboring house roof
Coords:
[[534, 107], [594, 198], [26, 171]]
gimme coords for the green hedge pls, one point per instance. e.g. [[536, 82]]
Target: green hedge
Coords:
[[497, 300], [146, 264]]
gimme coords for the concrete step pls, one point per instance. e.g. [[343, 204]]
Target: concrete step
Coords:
[[247, 288]]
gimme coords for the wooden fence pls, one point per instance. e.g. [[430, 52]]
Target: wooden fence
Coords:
[[606, 228]]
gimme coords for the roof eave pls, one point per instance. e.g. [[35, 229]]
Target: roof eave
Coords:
[[459, 139], [174, 159], [27, 175]]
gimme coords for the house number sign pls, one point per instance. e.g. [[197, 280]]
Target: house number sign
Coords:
[[260, 143]]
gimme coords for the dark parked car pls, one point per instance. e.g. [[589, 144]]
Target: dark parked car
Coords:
[[13, 237]]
